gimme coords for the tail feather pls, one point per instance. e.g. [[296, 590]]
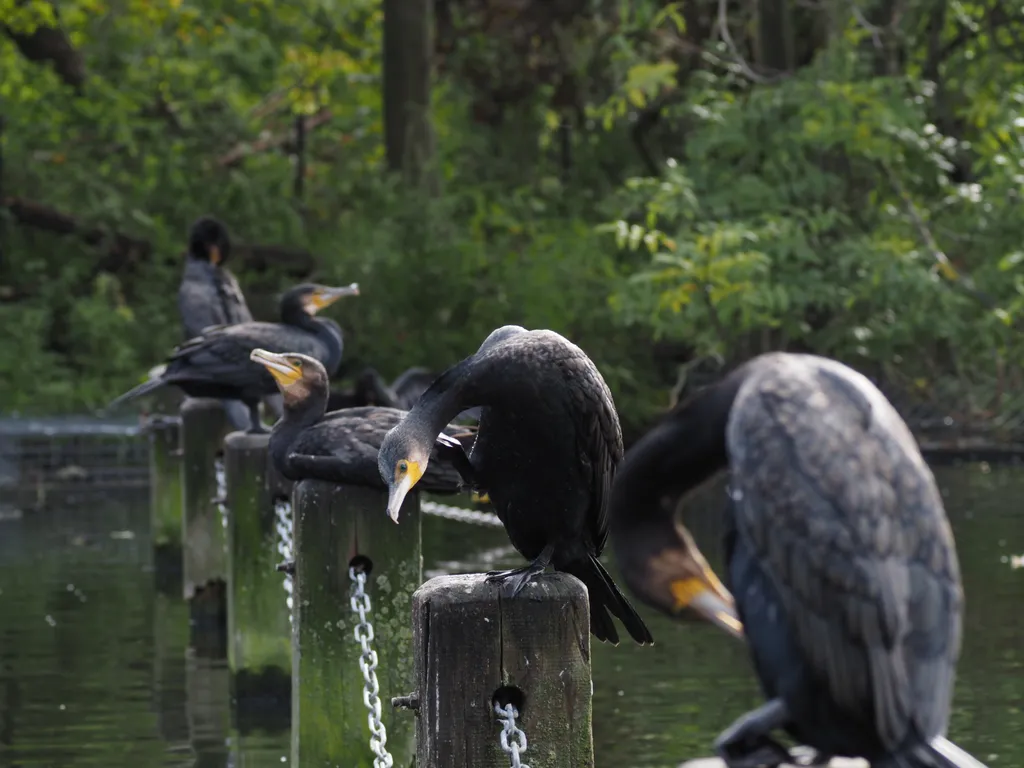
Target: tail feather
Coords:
[[939, 753], [143, 389], [606, 598]]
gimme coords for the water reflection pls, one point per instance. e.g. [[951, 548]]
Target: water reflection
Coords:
[[95, 667]]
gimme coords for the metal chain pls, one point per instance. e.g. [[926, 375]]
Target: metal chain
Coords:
[[507, 715], [458, 513], [368, 664], [222, 490], [283, 525]]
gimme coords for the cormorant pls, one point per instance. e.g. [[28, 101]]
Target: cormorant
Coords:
[[337, 446], [547, 446], [839, 555], [210, 295], [216, 363]]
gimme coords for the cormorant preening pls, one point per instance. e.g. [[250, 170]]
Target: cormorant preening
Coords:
[[209, 294], [216, 363], [337, 446], [546, 449], [839, 555]]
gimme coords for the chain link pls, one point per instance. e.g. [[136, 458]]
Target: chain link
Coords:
[[458, 513], [222, 490], [507, 715], [368, 664], [283, 525]]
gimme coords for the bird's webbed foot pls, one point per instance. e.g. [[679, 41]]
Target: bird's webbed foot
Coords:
[[513, 581], [449, 449], [747, 743]]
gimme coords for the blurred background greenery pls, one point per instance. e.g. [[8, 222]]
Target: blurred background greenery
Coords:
[[669, 184]]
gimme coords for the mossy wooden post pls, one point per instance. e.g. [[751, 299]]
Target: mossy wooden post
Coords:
[[208, 708], [332, 526], [259, 631], [203, 427], [165, 480], [474, 647]]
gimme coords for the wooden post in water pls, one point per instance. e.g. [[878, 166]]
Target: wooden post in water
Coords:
[[474, 647], [259, 630], [334, 527], [165, 499], [203, 427]]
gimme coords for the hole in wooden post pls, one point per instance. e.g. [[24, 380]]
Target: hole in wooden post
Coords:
[[361, 563], [509, 694]]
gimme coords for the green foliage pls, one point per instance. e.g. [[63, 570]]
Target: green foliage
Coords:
[[826, 208]]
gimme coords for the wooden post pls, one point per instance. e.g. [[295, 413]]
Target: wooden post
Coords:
[[170, 640], [333, 526], [203, 427], [259, 627], [473, 647], [165, 481], [208, 707], [836, 762]]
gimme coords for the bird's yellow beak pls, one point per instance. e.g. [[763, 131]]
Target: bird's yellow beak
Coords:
[[324, 297], [284, 371], [710, 599], [214, 253], [400, 487]]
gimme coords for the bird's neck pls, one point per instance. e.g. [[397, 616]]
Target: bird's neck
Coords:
[[686, 449], [293, 421], [325, 330], [448, 395]]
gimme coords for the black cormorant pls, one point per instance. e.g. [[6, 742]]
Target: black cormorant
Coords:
[[209, 294], [336, 446], [547, 446], [839, 555], [216, 363]]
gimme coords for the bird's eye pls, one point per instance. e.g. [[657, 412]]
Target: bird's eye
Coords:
[[403, 467], [298, 363]]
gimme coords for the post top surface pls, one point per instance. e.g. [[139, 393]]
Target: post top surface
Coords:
[[474, 588], [192, 404], [246, 440]]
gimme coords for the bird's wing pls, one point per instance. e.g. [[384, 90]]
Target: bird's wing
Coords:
[[222, 354], [346, 444], [232, 298], [831, 491]]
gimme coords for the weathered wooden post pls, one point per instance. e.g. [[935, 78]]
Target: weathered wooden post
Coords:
[[259, 630], [475, 648], [208, 707], [165, 481], [203, 427], [338, 528]]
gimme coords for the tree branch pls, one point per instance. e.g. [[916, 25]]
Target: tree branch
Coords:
[[51, 44], [122, 250], [284, 140]]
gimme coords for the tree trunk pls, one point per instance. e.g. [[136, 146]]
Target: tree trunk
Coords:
[[407, 67]]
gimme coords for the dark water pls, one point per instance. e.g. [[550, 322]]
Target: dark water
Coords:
[[95, 669]]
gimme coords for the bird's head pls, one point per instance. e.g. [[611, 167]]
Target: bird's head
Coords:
[[402, 460], [297, 376], [310, 298], [662, 565], [208, 240]]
